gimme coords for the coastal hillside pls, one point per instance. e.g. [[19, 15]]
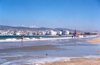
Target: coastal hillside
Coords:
[[3, 27]]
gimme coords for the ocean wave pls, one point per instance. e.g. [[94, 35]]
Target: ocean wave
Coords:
[[31, 39], [36, 39]]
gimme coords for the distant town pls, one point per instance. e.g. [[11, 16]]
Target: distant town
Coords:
[[44, 32], [18, 31]]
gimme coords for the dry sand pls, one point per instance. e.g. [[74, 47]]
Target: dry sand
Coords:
[[95, 41], [80, 61]]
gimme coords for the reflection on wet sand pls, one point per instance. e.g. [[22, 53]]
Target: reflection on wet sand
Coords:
[[32, 48], [75, 44], [22, 43]]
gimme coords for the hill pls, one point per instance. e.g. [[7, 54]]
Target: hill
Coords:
[[3, 27]]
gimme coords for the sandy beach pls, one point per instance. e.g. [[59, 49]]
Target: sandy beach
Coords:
[[95, 41], [80, 61], [75, 51]]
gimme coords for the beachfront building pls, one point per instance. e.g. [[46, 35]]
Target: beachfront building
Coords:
[[43, 32], [65, 32], [9, 33], [38, 33], [59, 32], [18, 33], [34, 33], [1, 32], [4, 32], [51, 32], [47, 33], [30, 33]]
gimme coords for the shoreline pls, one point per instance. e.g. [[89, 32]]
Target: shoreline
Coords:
[[44, 49], [78, 61], [32, 38]]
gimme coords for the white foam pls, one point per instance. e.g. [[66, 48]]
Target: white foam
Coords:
[[91, 36], [81, 36], [58, 59], [10, 40], [32, 39], [35, 39], [37, 61], [50, 60], [92, 56], [11, 56], [46, 60]]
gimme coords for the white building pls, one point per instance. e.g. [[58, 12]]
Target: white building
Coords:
[[30, 33], [59, 32], [51, 32], [65, 32], [34, 33], [47, 33], [43, 33], [18, 33], [38, 33]]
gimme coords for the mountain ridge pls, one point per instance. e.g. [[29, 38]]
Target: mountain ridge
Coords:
[[4, 27]]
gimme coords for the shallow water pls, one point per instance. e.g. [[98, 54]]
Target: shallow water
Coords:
[[57, 50]]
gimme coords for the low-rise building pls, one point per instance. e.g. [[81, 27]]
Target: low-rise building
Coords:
[[59, 32], [65, 32], [51, 32]]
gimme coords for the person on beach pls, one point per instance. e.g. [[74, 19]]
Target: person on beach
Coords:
[[22, 38]]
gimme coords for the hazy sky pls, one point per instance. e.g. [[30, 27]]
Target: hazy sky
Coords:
[[72, 14]]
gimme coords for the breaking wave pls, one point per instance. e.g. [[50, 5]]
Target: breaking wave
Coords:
[[36, 39]]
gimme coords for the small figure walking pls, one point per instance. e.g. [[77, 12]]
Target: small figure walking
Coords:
[[22, 38]]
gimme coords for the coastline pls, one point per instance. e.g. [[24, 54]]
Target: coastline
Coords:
[[79, 61], [68, 52]]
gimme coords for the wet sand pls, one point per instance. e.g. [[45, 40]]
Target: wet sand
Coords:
[[95, 41], [80, 61], [31, 48]]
